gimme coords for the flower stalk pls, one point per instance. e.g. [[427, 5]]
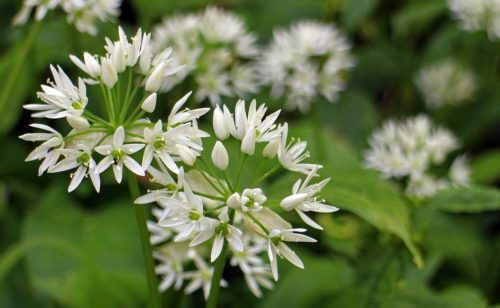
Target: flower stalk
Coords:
[[147, 250]]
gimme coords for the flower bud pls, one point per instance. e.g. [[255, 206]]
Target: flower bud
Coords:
[[108, 75], [153, 83], [271, 149], [234, 201], [291, 202], [248, 142], [220, 157], [187, 155], [119, 58], [220, 127], [78, 122], [149, 103]]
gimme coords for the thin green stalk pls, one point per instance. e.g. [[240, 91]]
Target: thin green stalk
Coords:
[[218, 270], [147, 249], [111, 106], [265, 175], [17, 65], [240, 169], [128, 98], [214, 174]]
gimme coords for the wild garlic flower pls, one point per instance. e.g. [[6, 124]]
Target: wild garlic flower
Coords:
[[411, 150], [445, 83], [127, 76], [82, 13], [216, 49], [221, 208], [477, 15], [306, 61]]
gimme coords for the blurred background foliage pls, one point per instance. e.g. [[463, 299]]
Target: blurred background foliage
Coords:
[[381, 250]]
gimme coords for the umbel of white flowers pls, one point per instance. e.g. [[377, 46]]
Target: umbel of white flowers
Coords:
[[307, 61], [223, 199], [477, 15], [445, 83], [409, 150], [128, 76], [216, 50], [82, 13]]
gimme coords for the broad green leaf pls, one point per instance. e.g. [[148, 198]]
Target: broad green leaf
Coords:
[[485, 168], [305, 288], [101, 259], [467, 200]]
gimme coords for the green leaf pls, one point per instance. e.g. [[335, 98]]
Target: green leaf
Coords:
[[467, 200], [304, 288], [99, 255], [485, 168]]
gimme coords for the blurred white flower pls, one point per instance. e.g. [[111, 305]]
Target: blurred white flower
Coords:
[[446, 82], [306, 61], [477, 15], [215, 48], [410, 149], [82, 13]]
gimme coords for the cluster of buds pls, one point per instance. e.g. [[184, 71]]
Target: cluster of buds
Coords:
[[218, 206]]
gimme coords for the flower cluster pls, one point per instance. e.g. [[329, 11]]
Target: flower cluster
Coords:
[[409, 149], [219, 205], [309, 60], [445, 83], [82, 13], [477, 15], [128, 75], [216, 50]]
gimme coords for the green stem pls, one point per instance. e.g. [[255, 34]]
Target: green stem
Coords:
[[240, 169], [218, 270], [147, 249], [265, 175]]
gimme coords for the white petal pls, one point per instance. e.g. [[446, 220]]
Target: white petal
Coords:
[[217, 247]]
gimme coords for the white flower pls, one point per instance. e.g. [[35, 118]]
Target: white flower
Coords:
[[215, 48], [408, 149], [90, 64], [171, 259], [219, 231], [292, 154], [81, 159], [160, 144], [201, 278], [446, 82], [276, 247], [48, 149], [117, 155], [251, 199], [303, 199], [61, 97], [82, 13], [187, 215], [165, 179], [477, 15], [308, 60]]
